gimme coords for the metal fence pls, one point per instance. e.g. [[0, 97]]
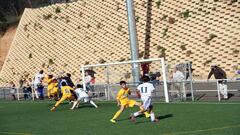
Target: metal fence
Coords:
[[177, 91]]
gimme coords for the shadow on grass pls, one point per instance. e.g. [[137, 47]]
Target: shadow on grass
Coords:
[[159, 118], [165, 116], [85, 106]]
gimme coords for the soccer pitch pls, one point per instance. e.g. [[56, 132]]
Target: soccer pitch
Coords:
[[35, 118]]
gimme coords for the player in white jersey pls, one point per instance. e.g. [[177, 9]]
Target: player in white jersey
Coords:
[[144, 91], [82, 96]]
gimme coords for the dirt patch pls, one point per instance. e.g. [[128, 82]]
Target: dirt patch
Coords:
[[5, 43]]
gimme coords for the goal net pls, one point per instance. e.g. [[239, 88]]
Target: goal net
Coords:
[[105, 78]]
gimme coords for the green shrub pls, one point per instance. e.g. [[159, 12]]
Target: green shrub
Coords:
[[208, 61], [183, 47], [119, 28], [101, 61], [171, 20], [58, 10], [188, 53], [140, 55], [185, 14], [235, 51], [163, 17], [46, 17], [158, 3], [122, 59], [212, 36], [43, 65], [30, 55], [50, 62], [165, 30], [137, 19]]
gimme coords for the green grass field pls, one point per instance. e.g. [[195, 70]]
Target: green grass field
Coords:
[[34, 118]]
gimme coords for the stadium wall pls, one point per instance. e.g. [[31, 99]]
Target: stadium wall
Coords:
[[67, 36]]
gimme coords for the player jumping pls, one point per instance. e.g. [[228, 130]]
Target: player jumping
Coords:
[[124, 102]]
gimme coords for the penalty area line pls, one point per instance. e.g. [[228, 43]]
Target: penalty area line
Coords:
[[203, 130]]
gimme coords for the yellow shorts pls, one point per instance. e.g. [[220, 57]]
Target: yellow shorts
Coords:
[[54, 92], [128, 103]]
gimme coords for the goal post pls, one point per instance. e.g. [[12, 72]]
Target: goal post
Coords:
[[107, 65]]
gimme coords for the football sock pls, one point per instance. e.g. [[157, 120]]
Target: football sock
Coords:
[[36, 93], [147, 115], [117, 115], [74, 104], [142, 109], [152, 116], [93, 104], [77, 104]]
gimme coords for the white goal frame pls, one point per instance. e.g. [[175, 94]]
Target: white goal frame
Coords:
[[131, 62]]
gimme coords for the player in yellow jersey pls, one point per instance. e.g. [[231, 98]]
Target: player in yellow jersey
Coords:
[[54, 91], [49, 81], [66, 94], [124, 102]]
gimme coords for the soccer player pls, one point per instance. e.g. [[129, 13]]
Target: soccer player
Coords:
[[66, 94], [124, 102], [144, 91], [82, 95], [49, 81], [54, 91]]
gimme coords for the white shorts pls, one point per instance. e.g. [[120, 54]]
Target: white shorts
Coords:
[[146, 102], [84, 99]]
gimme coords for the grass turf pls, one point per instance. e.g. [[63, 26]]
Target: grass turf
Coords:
[[33, 118]]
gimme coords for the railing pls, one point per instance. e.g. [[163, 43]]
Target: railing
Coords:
[[201, 90]]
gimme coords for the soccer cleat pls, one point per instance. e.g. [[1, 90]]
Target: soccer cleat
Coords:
[[113, 121], [130, 116], [133, 119], [156, 120]]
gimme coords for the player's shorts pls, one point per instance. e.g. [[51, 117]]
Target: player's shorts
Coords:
[[147, 102], [84, 99], [67, 97], [128, 103]]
